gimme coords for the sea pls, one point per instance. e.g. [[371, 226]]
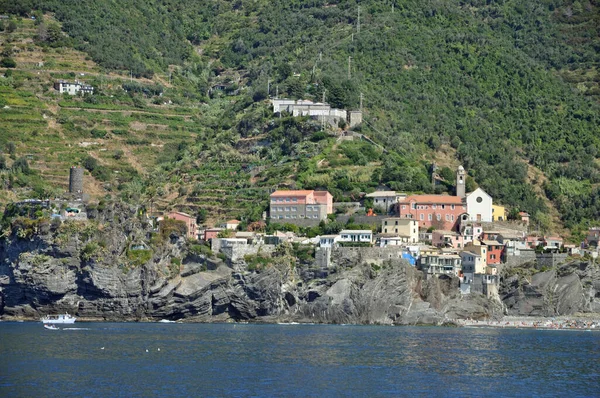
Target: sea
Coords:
[[294, 360]]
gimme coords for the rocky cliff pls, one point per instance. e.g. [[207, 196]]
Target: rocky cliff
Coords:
[[116, 267]]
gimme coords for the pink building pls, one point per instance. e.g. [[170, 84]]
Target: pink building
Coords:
[[524, 217], [448, 239], [211, 233], [190, 222], [438, 211], [294, 205]]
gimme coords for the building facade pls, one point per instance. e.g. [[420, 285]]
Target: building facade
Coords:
[[479, 206], [402, 227], [294, 205], [438, 211], [75, 88], [190, 223]]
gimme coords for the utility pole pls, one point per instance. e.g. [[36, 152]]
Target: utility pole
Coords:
[[361, 101], [352, 37], [320, 55], [358, 24], [349, 61], [276, 91], [130, 75], [268, 88]]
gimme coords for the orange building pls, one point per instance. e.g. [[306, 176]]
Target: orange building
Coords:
[[440, 211]]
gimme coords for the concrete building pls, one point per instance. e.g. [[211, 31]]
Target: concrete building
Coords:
[[479, 206], [316, 110], [75, 88], [440, 263], [294, 205], [439, 211], [401, 227]]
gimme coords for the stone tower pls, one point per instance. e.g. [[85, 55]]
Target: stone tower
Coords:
[[76, 180], [461, 179]]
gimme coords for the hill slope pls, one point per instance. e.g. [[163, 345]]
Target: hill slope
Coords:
[[498, 82]]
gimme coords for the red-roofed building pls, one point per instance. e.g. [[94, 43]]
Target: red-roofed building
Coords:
[[440, 211], [295, 205]]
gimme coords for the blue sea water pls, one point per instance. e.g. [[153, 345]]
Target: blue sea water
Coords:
[[243, 360]]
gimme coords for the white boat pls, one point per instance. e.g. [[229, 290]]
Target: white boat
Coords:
[[51, 327], [61, 318]]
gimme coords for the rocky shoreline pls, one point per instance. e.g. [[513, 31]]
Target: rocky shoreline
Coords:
[[90, 270]]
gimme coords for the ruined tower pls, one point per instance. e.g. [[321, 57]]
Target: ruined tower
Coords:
[[76, 180]]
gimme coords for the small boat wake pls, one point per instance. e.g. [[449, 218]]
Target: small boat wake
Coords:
[[77, 329]]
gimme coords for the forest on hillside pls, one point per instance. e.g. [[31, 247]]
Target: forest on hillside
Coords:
[[510, 86]]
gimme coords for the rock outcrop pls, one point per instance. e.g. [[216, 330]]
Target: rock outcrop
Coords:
[[116, 267], [570, 288]]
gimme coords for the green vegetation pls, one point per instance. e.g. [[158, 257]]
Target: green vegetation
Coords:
[[509, 89]]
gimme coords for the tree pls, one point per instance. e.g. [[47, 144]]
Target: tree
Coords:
[[8, 62]]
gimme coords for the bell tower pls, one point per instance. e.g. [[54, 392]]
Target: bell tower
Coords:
[[460, 182]]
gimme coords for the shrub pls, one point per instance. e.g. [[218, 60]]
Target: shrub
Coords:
[[8, 62]]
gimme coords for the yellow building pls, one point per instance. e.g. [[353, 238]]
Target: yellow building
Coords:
[[498, 213]]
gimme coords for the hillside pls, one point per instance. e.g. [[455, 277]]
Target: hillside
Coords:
[[504, 88]]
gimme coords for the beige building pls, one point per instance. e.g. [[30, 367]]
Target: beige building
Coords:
[[402, 227]]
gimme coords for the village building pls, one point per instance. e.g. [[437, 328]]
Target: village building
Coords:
[[386, 200], [356, 236], [470, 231], [479, 206], [232, 225], [553, 242], [190, 223], [401, 227], [524, 217], [593, 236], [75, 88], [499, 213], [212, 233], [449, 239], [494, 251], [438, 211], [328, 240], [297, 205], [441, 263], [472, 263]]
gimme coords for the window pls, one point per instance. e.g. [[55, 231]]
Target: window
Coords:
[[287, 199], [479, 199], [287, 209], [396, 230], [385, 223], [396, 222], [452, 207], [294, 209], [281, 209], [493, 256], [452, 217], [430, 217], [438, 216], [422, 216], [287, 216], [294, 199], [447, 217], [315, 216], [443, 207], [433, 206], [403, 207], [413, 206]]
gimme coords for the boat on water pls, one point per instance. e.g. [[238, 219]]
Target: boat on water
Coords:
[[51, 327], [61, 318]]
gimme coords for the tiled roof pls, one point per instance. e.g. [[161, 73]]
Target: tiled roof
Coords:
[[434, 199], [291, 193]]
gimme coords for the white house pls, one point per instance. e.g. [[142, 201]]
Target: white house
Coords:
[[73, 88], [479, 206], [328, 240], [359, 235], [385, 199]]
